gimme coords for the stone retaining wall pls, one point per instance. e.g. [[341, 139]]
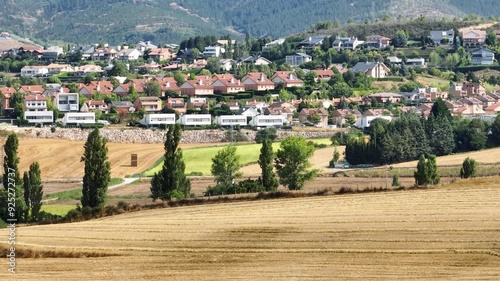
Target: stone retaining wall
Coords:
[[151, 136]]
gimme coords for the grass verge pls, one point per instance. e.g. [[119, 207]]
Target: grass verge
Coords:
[[60, 210]]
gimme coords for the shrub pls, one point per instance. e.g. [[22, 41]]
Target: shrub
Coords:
[[195, 173], [248, 186], [395, 180], [53, 129], [469, 168], [123, 205]]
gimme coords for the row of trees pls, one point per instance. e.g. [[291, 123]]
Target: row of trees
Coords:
[[21, 197], [409, 136]]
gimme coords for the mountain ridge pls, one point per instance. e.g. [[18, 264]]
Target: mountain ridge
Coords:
[[170, 21]]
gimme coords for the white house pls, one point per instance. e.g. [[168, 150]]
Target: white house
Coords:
[[129, 54], [267, 120], [33, 70], [66, 101], [195, 120], [297, 59], [365, 120], [416, 62], [35, 103], [36, 117], [213, 51], [76, 118], [158, 119], [231, 120]]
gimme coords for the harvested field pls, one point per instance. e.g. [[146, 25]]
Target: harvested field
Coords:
[[60, 159], [451, 232], [482, 156]]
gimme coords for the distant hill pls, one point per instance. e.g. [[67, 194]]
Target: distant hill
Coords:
[[169, 21]]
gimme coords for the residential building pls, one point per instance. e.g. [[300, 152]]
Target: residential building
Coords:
[[177, 104], [122, 107], [323, 74], [93, 105], [248, 111], [233, 105], [371, 69], [103, 54], [340, 67], [152, 120], [34, 70], [267, 121], [386, 97], [370, 115], [257, 81], [446, 37], [231, 120], [319, 116], [493, 109], [161, 54], [31, 89], [471, 89], [7, 93], [77, 118], [472, 107], [168, 84], [35, 103], [259, 105], [228, 85], [377, 41], [66, 101], [486, 100], [148, 104], [344, 116], [201, 87], [213, 51], [227, 64], [297, 59], [274, 43], [394, 60], [197, 103], [473, 38], [349, 43], [195, 120], [55, 68], [143, 46], [84, 70], [483, 56], [312, 42], [103, 87], [129, 54], [287, 79], [416, 62], [255, 60], [52, 53], [39, 117]]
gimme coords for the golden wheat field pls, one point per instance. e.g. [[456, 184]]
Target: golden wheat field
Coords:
[[447, 233], [483, 156], [61, 158]]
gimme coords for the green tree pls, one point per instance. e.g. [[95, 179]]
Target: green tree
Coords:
[[395, 180], [119, 69], [266, 158], [439, 109], [12, 181], [400, 40], [96, 172], [33, 192], [226, 166], [266, 134], [132, 93], [17, 103], [292, 162], [491, 38], [335, 159], [54, 79], [171, 181], [495, 130], [179, 78], [469, 168], [426, 171], [152, 88]]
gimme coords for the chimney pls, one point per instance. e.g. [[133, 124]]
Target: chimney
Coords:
[[310, 38], [167, 84], [232, 80], [98, 88], [261, 77], [200, 82]]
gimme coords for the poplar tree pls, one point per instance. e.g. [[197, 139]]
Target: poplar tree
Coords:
[[12, 180], [33, 192], [171, 181], [97, 171], [266, 158]]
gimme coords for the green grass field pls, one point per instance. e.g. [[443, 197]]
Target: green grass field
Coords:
[[200, 159], [60, 210]]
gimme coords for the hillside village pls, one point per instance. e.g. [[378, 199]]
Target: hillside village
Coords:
[[322, 80]]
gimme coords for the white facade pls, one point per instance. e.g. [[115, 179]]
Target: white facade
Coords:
[[195, 120], [67, 101], [267, 120], [231, 120], [213, 51], [35, 105], [79, 118], [35, 117], [364, 121], [29, 71], [158, 119]]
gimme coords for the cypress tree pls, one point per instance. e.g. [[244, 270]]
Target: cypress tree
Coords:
[[33, 191], [12, 180], [266, 158], [171, 181], [421, 174], [97, 171], [469, 168]]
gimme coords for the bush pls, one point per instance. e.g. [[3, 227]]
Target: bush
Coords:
[[317, 145], [469, 168], [395, 180], [195, 173], [123, 205], [249, 186], [52, 129], [269, 134]]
